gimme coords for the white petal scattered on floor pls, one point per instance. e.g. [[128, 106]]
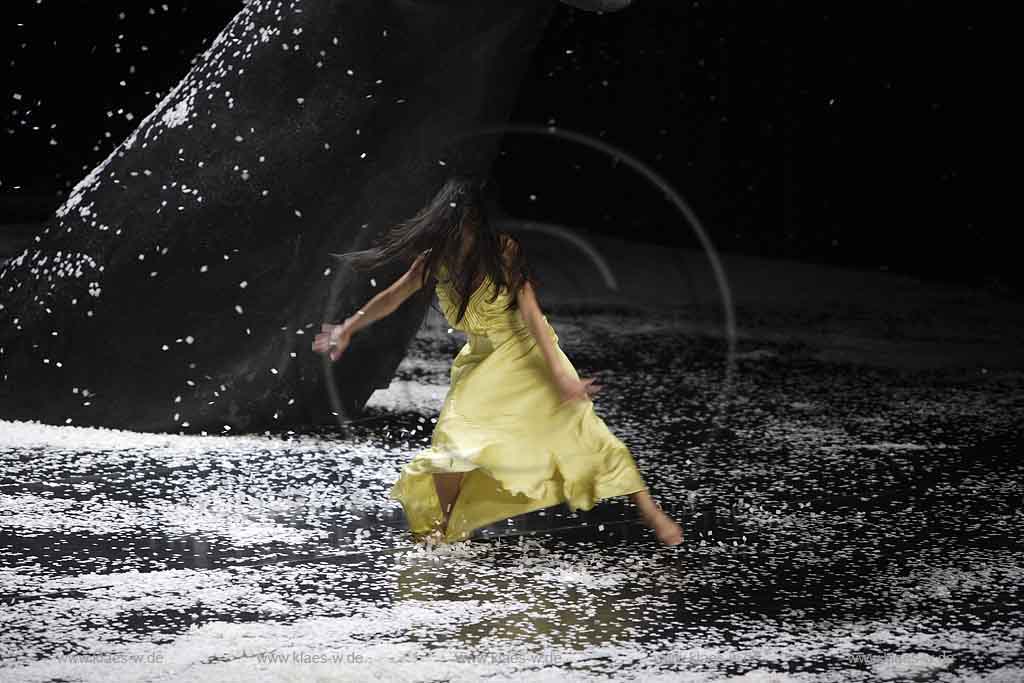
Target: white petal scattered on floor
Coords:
[[843, 523]]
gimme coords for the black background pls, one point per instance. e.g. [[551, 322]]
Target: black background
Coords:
[[843, 133]]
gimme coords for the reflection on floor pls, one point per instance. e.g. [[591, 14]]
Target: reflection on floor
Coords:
[[842, 523]]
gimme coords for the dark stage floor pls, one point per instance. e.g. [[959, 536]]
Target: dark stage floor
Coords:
[[844, 522]]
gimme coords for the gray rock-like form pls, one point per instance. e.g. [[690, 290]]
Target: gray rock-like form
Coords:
[[180, 285]]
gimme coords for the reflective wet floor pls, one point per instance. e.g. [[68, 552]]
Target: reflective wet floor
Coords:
[[842, 523]]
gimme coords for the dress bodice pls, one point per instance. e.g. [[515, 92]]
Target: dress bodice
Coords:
[[482, 314]]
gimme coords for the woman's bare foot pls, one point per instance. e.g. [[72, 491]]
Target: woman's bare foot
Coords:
[[448, 485], [665, 528], [434, 537]]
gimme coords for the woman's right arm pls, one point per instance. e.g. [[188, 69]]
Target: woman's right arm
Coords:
[[334, 338], [386, 302]]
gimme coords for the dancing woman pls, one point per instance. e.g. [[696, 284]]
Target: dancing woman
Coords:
[[517, 431]]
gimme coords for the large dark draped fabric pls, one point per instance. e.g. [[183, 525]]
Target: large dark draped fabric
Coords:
[[181, 283]]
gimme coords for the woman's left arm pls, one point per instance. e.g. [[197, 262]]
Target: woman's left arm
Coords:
[[530, 311], [568, 386]]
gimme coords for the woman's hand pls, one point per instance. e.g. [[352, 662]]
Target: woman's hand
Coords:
[[572, 389], [333, 340]]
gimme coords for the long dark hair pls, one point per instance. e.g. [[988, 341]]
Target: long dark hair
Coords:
[[439, 227]]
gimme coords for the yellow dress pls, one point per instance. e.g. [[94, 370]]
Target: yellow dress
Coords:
[[503, 423]]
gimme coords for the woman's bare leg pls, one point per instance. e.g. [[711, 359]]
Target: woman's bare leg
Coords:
[[665, 528], [448, 485]]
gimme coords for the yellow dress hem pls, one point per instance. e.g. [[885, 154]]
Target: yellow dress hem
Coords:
[[485, 499], [506, 427]]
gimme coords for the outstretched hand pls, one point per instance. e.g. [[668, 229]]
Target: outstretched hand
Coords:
[[572, 389], [332, 340]]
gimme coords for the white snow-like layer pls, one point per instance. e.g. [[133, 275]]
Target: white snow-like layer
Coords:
[[76, 449], [409, 396], [24, 434], [29, 514], [394, 643], [608, 611]]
